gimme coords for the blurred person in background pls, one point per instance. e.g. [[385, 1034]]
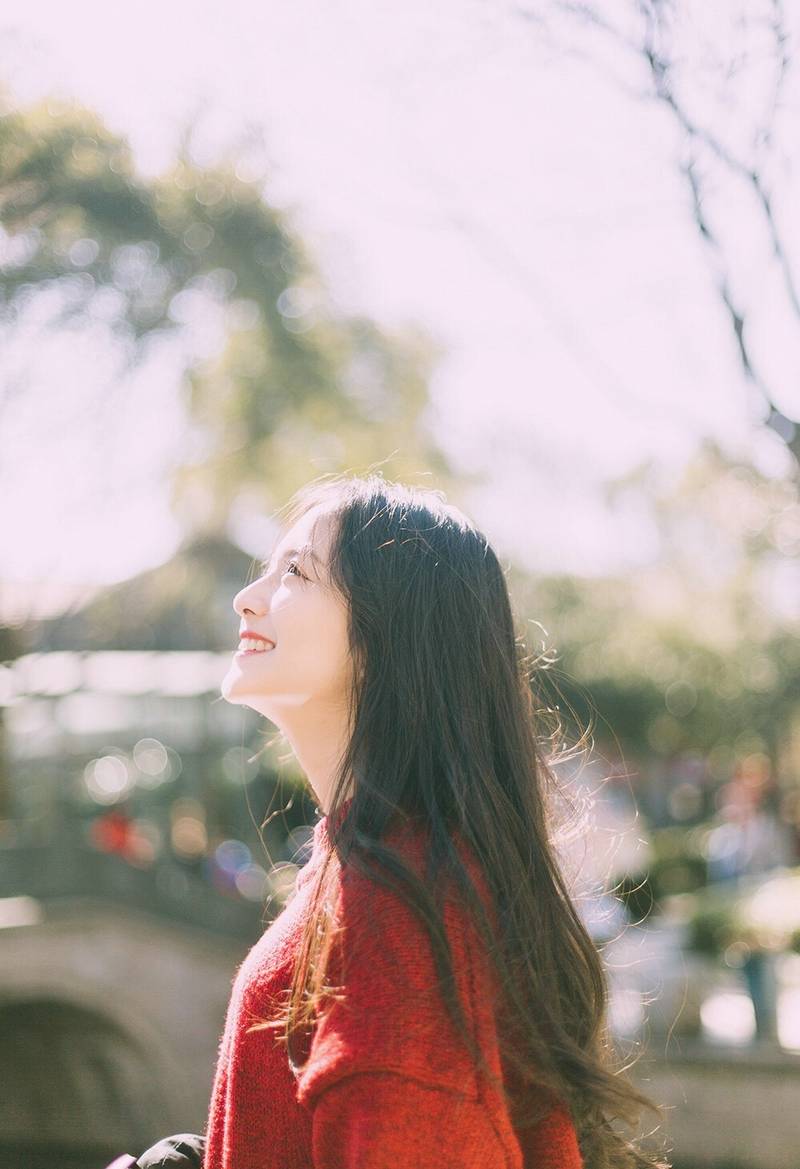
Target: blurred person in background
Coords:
[[751, 836]]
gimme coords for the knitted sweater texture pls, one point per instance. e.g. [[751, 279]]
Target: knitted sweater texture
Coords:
[[388, 1083]]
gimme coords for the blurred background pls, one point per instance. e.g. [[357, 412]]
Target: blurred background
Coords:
[[543, 256]]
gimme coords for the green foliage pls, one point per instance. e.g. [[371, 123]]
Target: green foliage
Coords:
[[677, 865], [296, 388], [711, 931], [637, 894], [686, 654], [759, 913]]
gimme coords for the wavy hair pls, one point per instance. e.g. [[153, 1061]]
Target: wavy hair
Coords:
[[446, 728]]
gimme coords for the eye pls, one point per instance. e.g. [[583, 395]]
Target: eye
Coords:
[[292, 564]]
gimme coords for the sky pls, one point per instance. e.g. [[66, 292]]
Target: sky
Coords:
[[498, 180]]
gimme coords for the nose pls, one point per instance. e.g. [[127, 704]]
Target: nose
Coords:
[[248, 600]]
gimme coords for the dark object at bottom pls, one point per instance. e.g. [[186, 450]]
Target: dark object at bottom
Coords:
[[184, 1150]]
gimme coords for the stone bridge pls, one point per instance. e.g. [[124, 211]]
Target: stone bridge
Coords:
[[113, 989]]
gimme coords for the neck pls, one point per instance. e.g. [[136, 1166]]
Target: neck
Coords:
[[318, 739]]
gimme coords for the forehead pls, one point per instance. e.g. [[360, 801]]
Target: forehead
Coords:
[[310, 532]]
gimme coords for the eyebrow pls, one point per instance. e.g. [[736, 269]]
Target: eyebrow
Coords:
[[305, 550]]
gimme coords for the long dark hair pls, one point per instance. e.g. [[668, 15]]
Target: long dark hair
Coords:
[[446, 728]]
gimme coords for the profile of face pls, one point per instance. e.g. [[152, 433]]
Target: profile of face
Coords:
[[298, 609]]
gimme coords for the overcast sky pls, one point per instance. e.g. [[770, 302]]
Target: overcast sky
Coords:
[[451, 165]]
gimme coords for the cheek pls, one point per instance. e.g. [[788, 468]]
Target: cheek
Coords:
[[333, 648], [314, 636]]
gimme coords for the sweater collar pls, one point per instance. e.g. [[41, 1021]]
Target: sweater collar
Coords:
[[323, 825], [320, 843]]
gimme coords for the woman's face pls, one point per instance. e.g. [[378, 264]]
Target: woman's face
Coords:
[[299, 611]]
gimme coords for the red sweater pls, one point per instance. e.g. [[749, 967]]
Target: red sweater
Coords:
[[388, 1083]]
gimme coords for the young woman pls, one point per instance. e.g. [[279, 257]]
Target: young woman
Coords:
[[429, 997]]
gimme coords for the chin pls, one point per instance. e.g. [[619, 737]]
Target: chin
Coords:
[[238, 697], [228, 689]]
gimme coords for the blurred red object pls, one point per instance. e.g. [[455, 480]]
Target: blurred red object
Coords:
[[111, 832]]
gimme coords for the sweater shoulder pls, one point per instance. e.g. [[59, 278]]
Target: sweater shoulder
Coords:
[[388, 1013]]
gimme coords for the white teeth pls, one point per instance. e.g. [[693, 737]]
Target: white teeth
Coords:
[[253, 643]]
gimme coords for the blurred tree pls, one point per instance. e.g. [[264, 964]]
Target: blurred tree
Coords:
[[698, 650], [743, 56], [292, 382], [291, 387], [723, 74]]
